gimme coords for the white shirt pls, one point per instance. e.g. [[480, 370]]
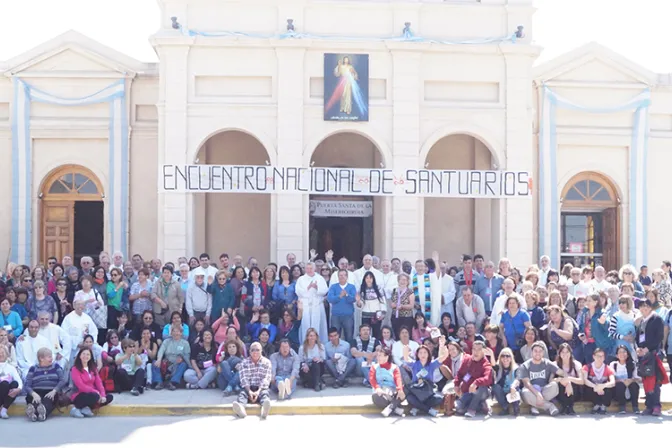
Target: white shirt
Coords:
[[543, 276], [59, 340], [361, 272], [211, 271], [500, 305], [74, 326], [398, 351], [8, 371], [26, 351], [448, 291], [597, 286], [389, 284], [351, 278], [305, 280]]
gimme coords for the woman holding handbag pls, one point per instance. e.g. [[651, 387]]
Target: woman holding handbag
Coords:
[[96, 307], [421, 393]]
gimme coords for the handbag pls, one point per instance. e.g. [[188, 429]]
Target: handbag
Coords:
[[99, 316], [422, 391], [646, 366]]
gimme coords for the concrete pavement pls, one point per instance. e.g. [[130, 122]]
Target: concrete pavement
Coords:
[[320, 430]]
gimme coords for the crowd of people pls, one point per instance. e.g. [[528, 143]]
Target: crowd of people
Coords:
[[439, 338]]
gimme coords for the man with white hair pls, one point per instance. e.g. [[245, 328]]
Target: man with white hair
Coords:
[[27, 347], [291, 260], [104, 260], [599, 283], [311, 289], [78, 324], [343, 264], [59, 341], [87, 266], [117, 261], [499, 308], [544, 267]]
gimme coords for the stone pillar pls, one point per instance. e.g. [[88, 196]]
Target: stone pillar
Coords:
[[291, 210], [175, 224], [406, 214], [519, 219]]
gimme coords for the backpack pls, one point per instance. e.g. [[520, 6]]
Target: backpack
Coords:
[[107, 377]]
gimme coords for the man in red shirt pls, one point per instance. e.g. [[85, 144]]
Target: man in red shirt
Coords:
[[472, 383]]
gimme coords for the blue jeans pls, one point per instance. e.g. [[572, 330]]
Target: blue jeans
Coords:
[[278, 378], [175, 378], [364, 370], [228, 377], [584, 352], [473, 402], [345, 325], [350, 367]]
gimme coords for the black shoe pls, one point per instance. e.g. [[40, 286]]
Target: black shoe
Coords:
[[171, 386], [570, 410], [516, 409], [158, 386], [337, 384]]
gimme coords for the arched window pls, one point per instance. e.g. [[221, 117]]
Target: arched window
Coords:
[[589, 191], [73, 182]]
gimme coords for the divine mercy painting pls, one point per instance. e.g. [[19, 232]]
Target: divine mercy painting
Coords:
[[346, 87]]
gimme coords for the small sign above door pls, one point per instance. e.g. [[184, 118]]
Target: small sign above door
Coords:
[[341, 209], [575, 248]]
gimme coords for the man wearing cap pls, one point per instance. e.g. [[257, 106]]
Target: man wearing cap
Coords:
[[255, 379], [199, 300], [650, 334]]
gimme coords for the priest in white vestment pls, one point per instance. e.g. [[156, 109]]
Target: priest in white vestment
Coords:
[[428, 288], [448, 292], [367, 266], [389, 284], [79, 324], [27, 347], [59, 340], [311, 288]]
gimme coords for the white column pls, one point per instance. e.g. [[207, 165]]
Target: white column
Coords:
[[519, 216], [407, 212], [291, 210], [175, 228]]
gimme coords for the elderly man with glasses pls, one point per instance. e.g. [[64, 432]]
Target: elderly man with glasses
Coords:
[[255, 379]]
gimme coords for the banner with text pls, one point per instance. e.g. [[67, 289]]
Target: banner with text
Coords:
[[344, 181]]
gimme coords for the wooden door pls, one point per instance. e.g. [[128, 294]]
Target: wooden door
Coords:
[[610, 238], [58, 222]]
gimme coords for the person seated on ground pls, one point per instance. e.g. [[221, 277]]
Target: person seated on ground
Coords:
[[96, 350], [470, 336], [171, 360], [4, 342], [176, 320], [561, 329], [536, 314], [89, 391], [267, 349], [147, 322], [386, 339], [364, 349], [10, 320], [289, 327], [421, 329], [260, 320], [385, 380], [43, 384], [472, 383], [570, 382], [27, 347], [493, 344], [148, 349], [312, 361], [130, 374], [505, 382], [627, 380], [599, 380], [530, 336], [449, 370], [285, 365], [513, 324], [339, 361], [196, 332], [229, 356], [203, 371], [220, 326], [113, 345], [536, 375], [421, 393], [78, 325], [255, 380], [448, 328], [10, 383], [404, 345]]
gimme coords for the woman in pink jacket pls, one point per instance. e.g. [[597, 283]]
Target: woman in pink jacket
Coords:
[[90, 392]]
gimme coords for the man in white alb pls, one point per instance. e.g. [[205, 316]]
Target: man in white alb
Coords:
[[27, 347], [389, 285], [311, 289], [78, 324], [59, 341], [427, 288]]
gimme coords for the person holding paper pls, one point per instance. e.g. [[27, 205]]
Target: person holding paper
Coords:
[[203, 367], [505, 387]]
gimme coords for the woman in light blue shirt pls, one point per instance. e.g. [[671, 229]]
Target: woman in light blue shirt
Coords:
[[10, 320]]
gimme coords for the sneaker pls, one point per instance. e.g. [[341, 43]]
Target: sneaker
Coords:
[[570, 410], [433, 412], [171, 386], [135, 392], [656, 412], [281, 390], [399, 411], [30, 413], [239, 410], [191, 386], [636, 410], [647, 411], [602, 410], [621, 409], [553, 411], [534, 411], [76, 413], [486, 409], [516, 409], [414, 412], [265, 409], [595, 409], [387, 411], [41, 412], [87, 412], [157, 386], [470, 414], [228, 391], [3, 414]]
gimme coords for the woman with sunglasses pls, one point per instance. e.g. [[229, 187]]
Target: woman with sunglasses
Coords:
[[147, 322], [627, 275], [505, 381], [117, 297]]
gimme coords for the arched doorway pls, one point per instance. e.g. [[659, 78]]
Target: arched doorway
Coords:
[[455, 226], [590, 222], [348, 236], [73, 219], [235, 223]]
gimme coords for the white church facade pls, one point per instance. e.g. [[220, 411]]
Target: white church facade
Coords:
[[449, 86]]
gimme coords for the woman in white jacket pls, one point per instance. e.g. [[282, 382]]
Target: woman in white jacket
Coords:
[[10, 383]]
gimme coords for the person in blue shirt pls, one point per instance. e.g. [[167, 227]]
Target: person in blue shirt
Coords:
[[487, 286], [513, 324], [537, 315], [10, 320], [342, 296], [175, 319], [339, 361], [284, 289], [19, 305], [421, 393], [260, 321]]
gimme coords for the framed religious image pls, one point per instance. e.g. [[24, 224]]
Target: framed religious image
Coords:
[[346, 87]]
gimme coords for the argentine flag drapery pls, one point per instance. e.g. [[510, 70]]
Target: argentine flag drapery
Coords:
[[549, 206], [22, 181]]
